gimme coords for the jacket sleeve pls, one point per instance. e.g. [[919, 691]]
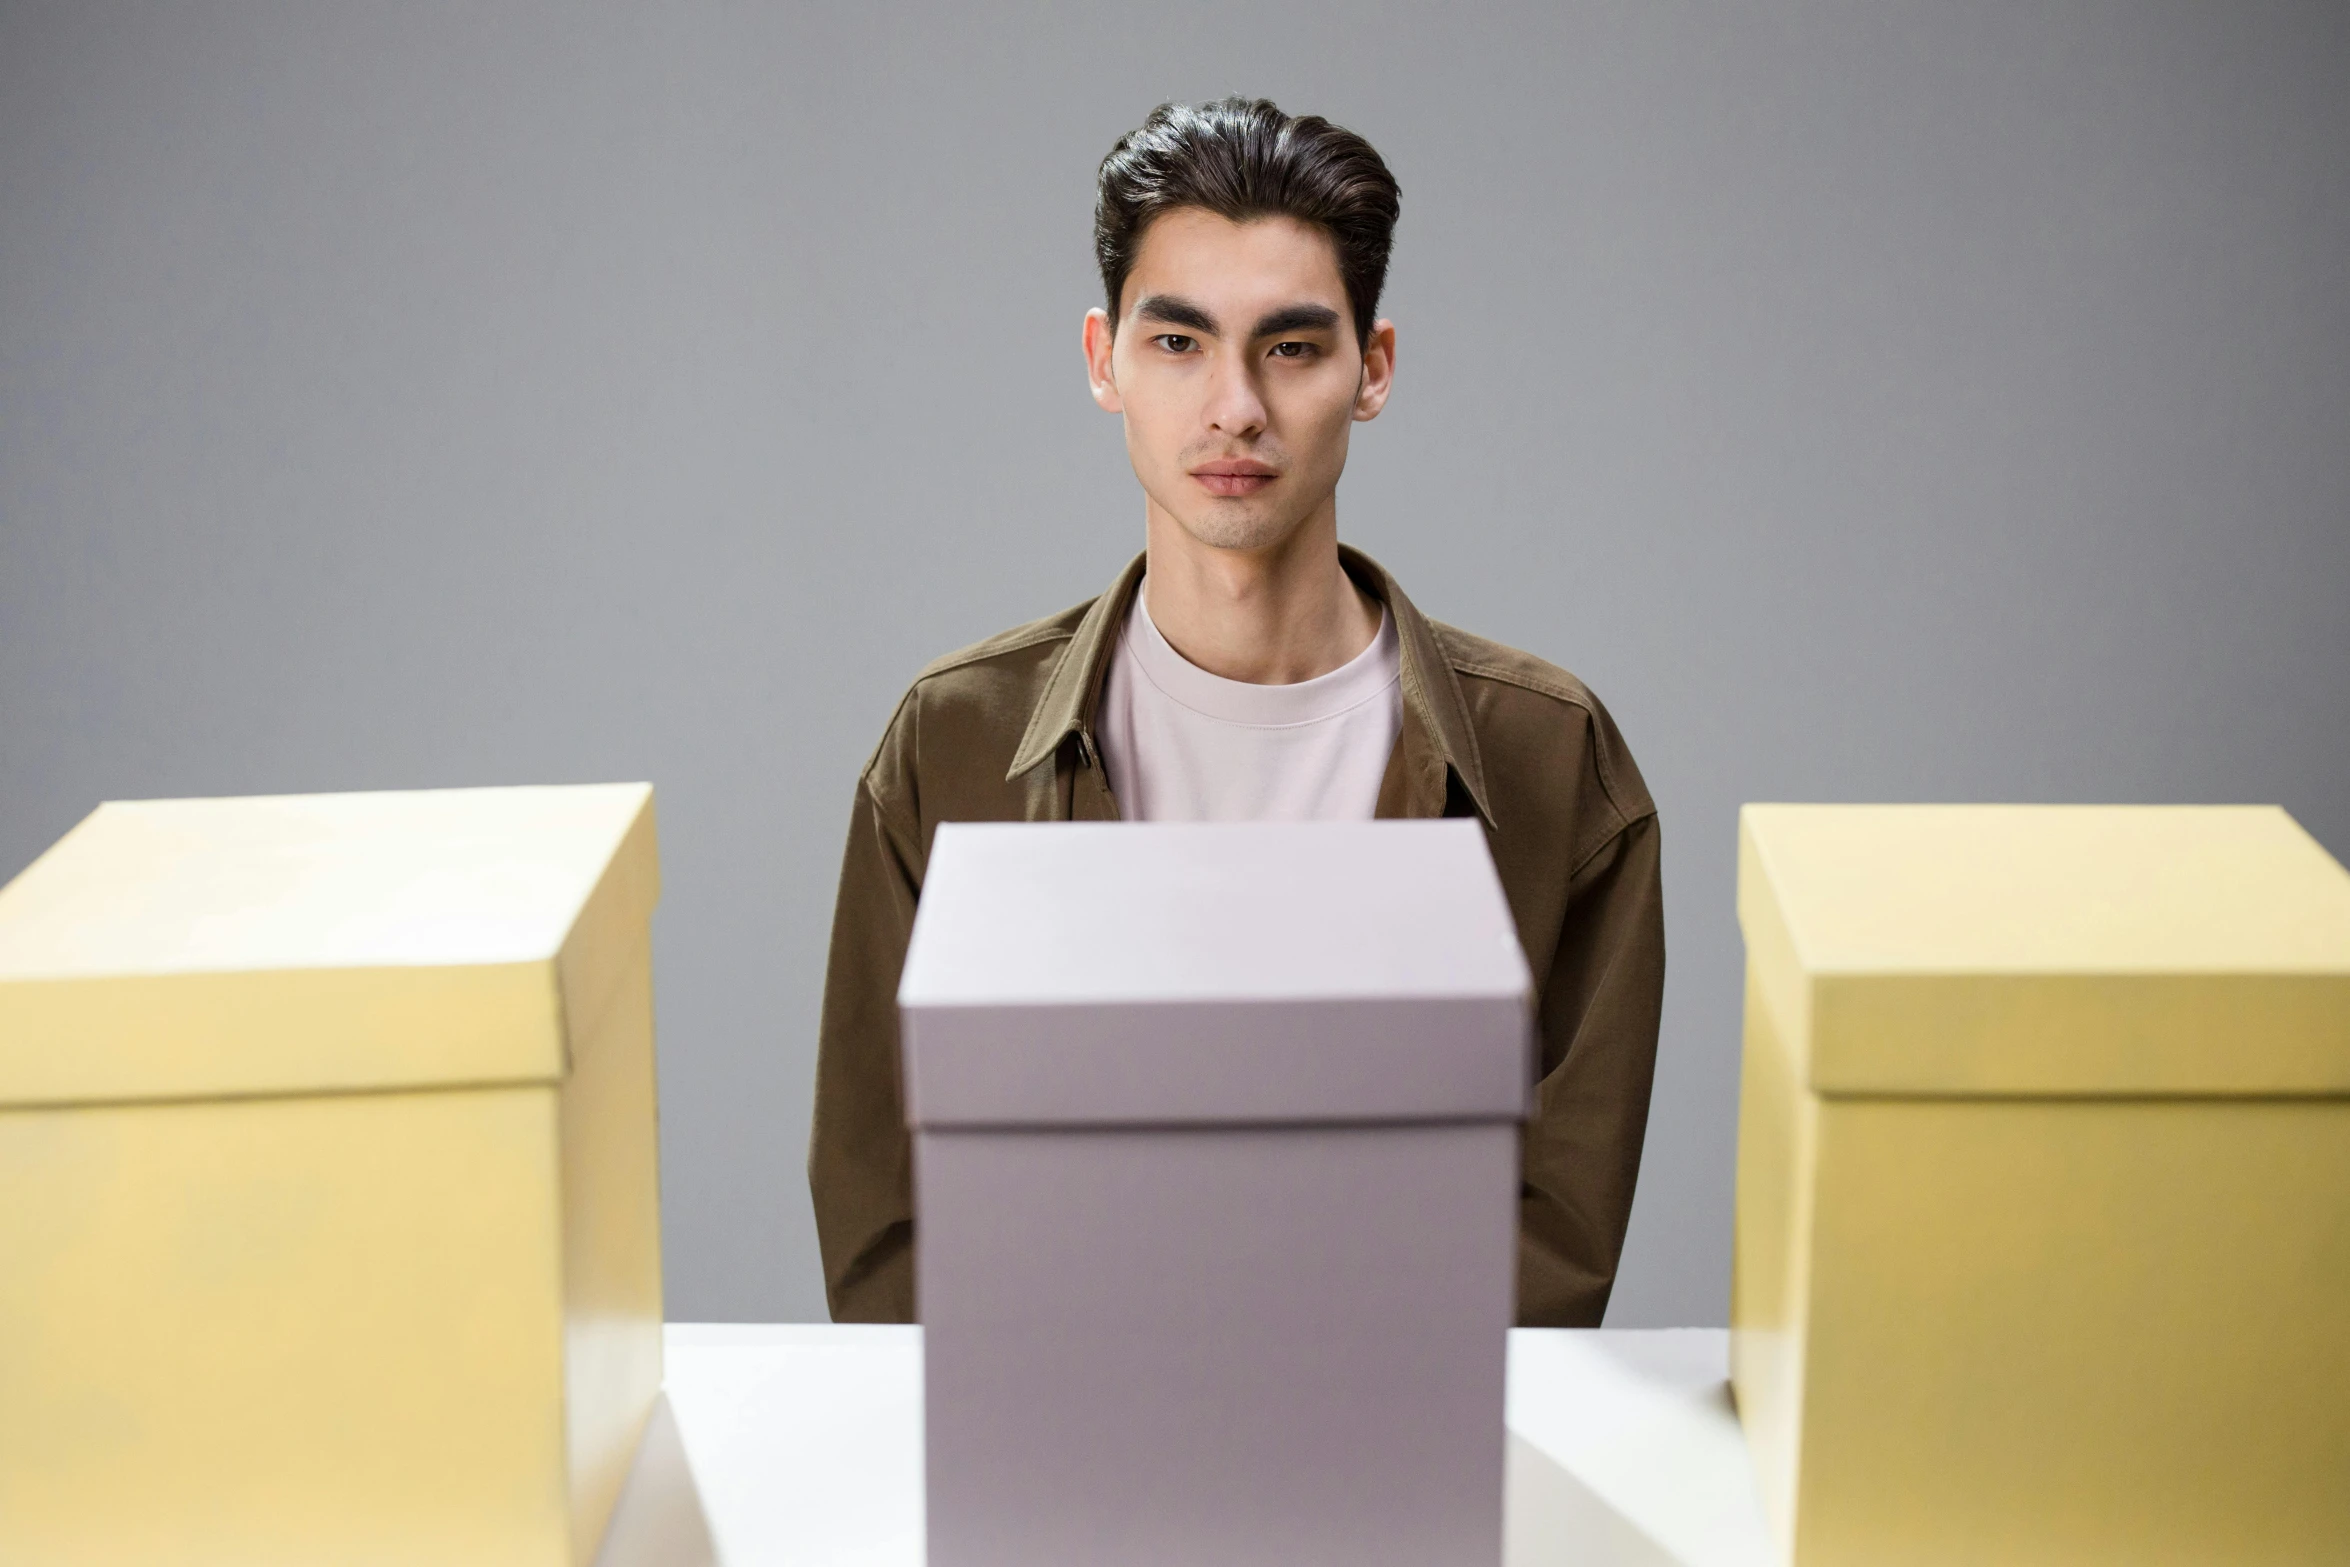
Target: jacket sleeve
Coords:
[[860, 1161], [1598, 1022]]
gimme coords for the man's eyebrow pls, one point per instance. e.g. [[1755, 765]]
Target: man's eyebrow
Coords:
[[1175, 310], [1298, 318]]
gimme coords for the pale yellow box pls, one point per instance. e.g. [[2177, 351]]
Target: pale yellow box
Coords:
[[329, 1223], [2043, 1235]]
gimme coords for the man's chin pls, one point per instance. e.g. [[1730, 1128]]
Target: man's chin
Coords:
[[1239, 527]]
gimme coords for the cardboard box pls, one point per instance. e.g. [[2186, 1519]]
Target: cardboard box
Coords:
[[329, 1225], [2043, 1235], [1216, 1162]]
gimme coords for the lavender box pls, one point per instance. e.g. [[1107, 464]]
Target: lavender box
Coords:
[[1216, 1173]]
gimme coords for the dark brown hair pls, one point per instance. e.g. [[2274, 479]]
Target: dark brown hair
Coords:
[[1242, 158]]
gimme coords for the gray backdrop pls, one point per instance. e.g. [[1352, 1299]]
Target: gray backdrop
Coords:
[[1871, 401]]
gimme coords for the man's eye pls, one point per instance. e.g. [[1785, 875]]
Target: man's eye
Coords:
[[1292, 350], [1174, 342]]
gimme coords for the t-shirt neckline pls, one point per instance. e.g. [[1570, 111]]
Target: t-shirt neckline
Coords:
[[1360, 679]]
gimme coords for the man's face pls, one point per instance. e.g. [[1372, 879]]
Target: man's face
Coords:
[[1236, 367]]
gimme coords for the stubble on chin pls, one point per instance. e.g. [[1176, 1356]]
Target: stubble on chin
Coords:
[[1239, 527]]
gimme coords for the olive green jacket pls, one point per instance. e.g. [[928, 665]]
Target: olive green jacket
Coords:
[[1003, 732]]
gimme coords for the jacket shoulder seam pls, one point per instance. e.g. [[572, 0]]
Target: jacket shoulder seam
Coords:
[[869, 780], [1018, 639], [893, 819], [1524, 681], [1565, 689], [1624, 825]]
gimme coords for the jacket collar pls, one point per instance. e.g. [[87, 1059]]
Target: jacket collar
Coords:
[[1432, 700]]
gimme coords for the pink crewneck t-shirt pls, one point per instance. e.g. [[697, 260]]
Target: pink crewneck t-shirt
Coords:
[[1182, 745]]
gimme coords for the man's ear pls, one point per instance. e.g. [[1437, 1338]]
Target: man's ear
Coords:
[[1098, 342], [1378, 378]]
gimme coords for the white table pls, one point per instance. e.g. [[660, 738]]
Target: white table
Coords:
[[796, 1444]]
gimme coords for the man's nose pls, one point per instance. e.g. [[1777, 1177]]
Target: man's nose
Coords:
[[1235, 408]]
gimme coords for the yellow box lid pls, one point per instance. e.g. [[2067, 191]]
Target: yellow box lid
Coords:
[[2050, 949], [175, 949]]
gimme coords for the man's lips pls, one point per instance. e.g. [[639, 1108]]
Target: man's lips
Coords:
[[1235, 476]]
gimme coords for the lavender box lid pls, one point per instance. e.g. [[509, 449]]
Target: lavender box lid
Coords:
[[1197, 973]]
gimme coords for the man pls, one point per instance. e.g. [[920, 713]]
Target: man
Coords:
[[1249, 666]]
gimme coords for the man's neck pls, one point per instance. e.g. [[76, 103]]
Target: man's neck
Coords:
[[1270, 617]]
